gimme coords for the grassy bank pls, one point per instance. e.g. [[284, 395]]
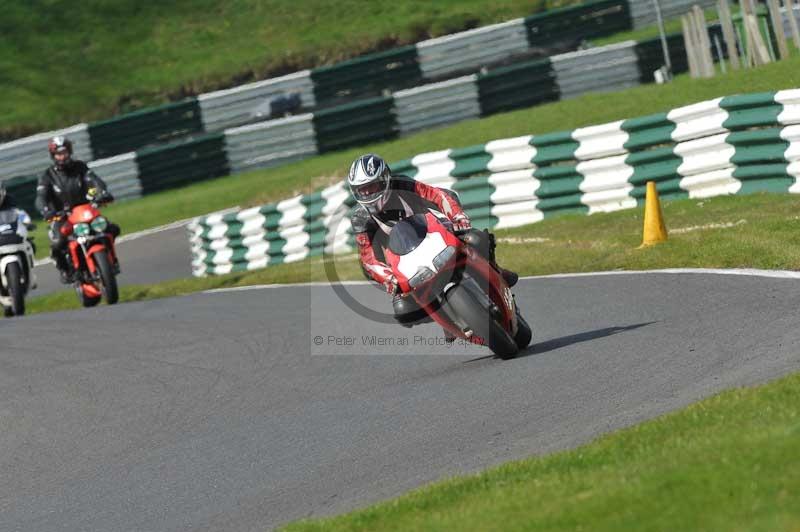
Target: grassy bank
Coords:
[[726, 463], [69, 62], [754, 231], [263, 186]]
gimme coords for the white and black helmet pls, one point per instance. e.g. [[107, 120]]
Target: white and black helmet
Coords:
[[369, 181]]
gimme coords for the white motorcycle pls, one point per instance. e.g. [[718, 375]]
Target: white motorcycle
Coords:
[[16, 261]]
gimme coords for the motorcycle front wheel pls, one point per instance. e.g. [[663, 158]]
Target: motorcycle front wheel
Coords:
[[461, 303], [85, 300], [15, 289], [107, 277]]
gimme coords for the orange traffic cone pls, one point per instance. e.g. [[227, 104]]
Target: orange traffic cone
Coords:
[[654, 230]]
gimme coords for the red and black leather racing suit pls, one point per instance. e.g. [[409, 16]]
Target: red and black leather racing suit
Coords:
[[371, 241]]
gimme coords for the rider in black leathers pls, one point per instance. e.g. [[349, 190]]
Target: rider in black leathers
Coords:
[[67, 184]]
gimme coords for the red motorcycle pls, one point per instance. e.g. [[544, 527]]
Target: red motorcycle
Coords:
[[92, 254], [457, 288]]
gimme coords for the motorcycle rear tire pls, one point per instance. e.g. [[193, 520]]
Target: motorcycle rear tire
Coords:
[[107, 277], [15, 289], [480, 320]]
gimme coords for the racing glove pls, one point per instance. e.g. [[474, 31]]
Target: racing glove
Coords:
[[390, 284], [461, 223]]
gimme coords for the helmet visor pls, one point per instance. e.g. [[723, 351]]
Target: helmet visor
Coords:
[[369, 192]]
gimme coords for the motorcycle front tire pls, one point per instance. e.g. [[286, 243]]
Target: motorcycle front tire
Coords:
[[15, 289], [107, 277]]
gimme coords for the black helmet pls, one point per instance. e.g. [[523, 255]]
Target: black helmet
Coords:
[[60, 145]]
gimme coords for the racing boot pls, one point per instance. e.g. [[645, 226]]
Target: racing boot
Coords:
[[509, 277], [64, 268], [449, 337]]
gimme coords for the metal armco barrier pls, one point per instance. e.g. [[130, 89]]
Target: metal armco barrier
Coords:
[[734, 145], [29, 155], [121, 174], [609, 68], [517, 86], [643, 12], [473, 49], [271, 143], [367, 76], [437, 104], [142, 128], [238, 106], [576, 23], [355, 123], [188, 162]]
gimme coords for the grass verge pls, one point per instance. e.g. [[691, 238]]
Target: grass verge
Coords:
[[263, 186], [114, 57], [753, 231], [725, 463]]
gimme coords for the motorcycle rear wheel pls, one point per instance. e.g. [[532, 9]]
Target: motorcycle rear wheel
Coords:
[[461, 303]]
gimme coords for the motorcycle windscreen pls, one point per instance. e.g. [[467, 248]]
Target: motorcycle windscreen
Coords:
[[407, 234], [9, 216], [8, 227]]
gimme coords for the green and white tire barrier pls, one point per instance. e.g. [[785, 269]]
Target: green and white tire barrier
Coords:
[[286, 231], [732, 145]]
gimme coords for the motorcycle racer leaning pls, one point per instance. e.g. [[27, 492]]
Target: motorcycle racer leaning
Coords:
[[67, 184], [381, 197]]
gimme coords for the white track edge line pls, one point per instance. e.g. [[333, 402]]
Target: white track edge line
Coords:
[[747, 272]]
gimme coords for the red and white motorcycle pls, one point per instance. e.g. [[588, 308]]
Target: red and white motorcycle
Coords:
[[455, 286]]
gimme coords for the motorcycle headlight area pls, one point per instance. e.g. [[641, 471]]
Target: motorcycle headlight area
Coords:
[[445, 256], [422, 275], [82, 229], [99, 224]]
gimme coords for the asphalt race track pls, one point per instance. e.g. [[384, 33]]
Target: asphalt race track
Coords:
[[208, 412], [151, 258]]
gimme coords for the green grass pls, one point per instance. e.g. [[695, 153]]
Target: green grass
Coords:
[[726, 463], [263, 186], [67, 62], [764, 233]]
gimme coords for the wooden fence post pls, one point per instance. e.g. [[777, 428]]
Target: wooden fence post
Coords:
[[688, 39], [789, 5], [728, 33], [704, 43], [777, 27]]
